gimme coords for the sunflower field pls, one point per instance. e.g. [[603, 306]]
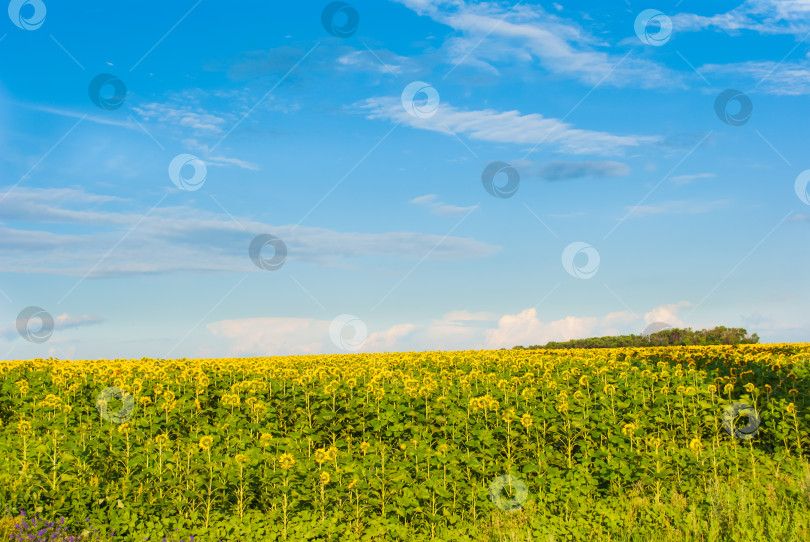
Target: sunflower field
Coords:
[[678, 443]]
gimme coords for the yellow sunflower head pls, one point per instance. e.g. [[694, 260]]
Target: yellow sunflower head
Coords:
[[750, 387], [24, 427], [206, 442], [286, 461], [629, 429]]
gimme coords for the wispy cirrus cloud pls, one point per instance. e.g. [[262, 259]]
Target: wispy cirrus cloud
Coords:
[[688, 178], [789, 78], [558, 170], [431, 201], [69, 232], [763, 16], [676, 207], [184, 116], [505, 127], [61, 322], [489, 34]]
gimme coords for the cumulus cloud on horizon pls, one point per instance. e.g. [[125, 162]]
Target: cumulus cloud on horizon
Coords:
[[456, 330]]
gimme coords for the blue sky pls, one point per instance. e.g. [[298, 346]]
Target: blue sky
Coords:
[[641, 190]]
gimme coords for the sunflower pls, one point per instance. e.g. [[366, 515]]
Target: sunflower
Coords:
[[750, 387], [325, 477], [629, 429], [206, 442], [526, 420], [320, 455], [696, 445], [24, 427], [286, 461]]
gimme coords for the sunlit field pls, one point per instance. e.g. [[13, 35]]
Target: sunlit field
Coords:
[[678, 443]]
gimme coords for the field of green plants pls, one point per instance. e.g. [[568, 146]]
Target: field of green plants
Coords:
[[677, 443]]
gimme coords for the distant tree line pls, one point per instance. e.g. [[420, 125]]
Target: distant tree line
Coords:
[[666, 337]]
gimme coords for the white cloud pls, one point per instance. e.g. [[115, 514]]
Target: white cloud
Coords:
[[505, 127], [763, 16], [386, 341], [525, 328], [492, 34], [180, 238], [442, 209], [213, 160], [558, 170], [676, 207], [457, 330], [668, 314], [273, 336], [60, 323], [683, 179], [791, 78], [286, 336], [182, 115], [369, 60]]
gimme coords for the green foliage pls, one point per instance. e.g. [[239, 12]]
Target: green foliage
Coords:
[[616, 444], [668, 337]]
